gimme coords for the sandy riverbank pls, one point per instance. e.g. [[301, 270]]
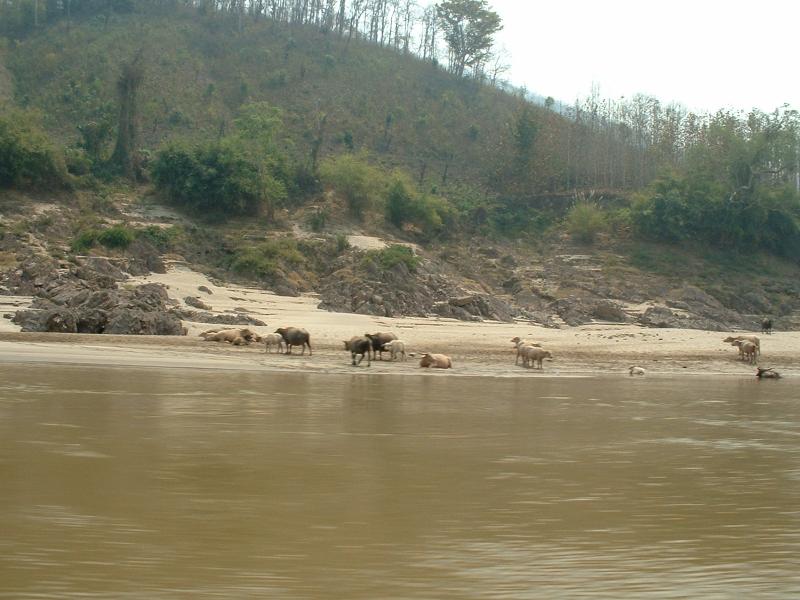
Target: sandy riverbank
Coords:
[[476, 348]]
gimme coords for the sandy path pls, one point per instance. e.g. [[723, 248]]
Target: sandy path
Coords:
[[476, 348]]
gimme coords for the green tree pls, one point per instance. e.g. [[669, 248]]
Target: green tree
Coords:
[[355, 179], [469, 28], [216, 179]]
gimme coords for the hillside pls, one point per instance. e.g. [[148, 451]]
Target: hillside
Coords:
[[478, 182]]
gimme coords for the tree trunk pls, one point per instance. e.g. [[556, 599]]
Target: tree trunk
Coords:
[[127, 87]]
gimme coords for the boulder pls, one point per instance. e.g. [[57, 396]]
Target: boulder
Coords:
[[196, 303]]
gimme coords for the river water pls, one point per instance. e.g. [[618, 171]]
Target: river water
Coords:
[[119, 483]]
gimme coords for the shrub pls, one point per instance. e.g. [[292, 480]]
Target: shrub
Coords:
[[162, 239], [318, 219], [85, 240], [355, 179], [117, 236], [28, 158], [428, 213], [215, 179], [584, 221], [394, 255], [266, 259]]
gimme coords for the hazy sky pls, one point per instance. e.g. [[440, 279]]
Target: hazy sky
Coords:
[[704, 54]]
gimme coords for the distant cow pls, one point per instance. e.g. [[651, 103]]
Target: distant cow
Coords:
[[378, 340], [295, 336], [359, 345], [766, 326]]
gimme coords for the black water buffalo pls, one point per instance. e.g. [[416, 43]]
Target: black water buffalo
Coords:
[[766, 326], [359, 345], [294, 336], [378, 340]]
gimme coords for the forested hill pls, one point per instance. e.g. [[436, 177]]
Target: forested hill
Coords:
[[377, 108]]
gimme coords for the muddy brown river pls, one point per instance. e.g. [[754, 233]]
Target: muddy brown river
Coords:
[[168, 484]]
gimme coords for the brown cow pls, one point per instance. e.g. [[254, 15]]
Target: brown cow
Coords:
[[437, 361]]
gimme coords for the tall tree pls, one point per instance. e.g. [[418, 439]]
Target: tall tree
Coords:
[[127, 87], [469, 27]]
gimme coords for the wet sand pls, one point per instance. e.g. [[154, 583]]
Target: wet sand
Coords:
[[476, 348]]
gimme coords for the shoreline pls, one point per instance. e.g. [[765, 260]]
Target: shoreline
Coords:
[[477, 348]]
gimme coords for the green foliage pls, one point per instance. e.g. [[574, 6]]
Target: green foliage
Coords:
[[28, 159], [118, 237], [469, 27], [216, 179], [266, 259], [694, 208], [355, 179], [430, 214], [84, 240], [584, 221], [318, 219], [393, 255], [163, 239]]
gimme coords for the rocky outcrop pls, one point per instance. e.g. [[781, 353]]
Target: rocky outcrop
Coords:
[[223, 319], [84, 298], [366, 289]]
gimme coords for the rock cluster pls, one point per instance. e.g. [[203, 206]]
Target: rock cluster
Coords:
[[84, 298]]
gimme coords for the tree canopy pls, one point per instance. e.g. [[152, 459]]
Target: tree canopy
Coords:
[[469, 27]]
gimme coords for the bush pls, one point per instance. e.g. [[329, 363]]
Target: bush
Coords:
[[584, 221], [84, 241], [117, 236], [28, 159], [162, 239], [267, 259], [215, 179], [394, 255], [355, 179], [429, 214]]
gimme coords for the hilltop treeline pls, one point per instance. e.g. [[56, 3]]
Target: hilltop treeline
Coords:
[[381, 90]]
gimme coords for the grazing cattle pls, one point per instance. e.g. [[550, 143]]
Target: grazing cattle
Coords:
[[437, 361], [295, 336], [378, 340], [766, 326], [359, 345]]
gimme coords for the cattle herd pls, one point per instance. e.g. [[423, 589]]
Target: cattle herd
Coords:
[[372, 346]]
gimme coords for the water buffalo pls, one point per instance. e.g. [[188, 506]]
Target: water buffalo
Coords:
[[378, 340], [359, 345], [766, 326], [295, 336]]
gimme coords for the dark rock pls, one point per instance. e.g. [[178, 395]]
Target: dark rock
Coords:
[[226, 319], [196, 303], [145, 259], [91, 320], [202, 288], [137, 322], [610, 311]]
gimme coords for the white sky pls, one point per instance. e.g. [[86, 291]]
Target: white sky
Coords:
[[703, 54]]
